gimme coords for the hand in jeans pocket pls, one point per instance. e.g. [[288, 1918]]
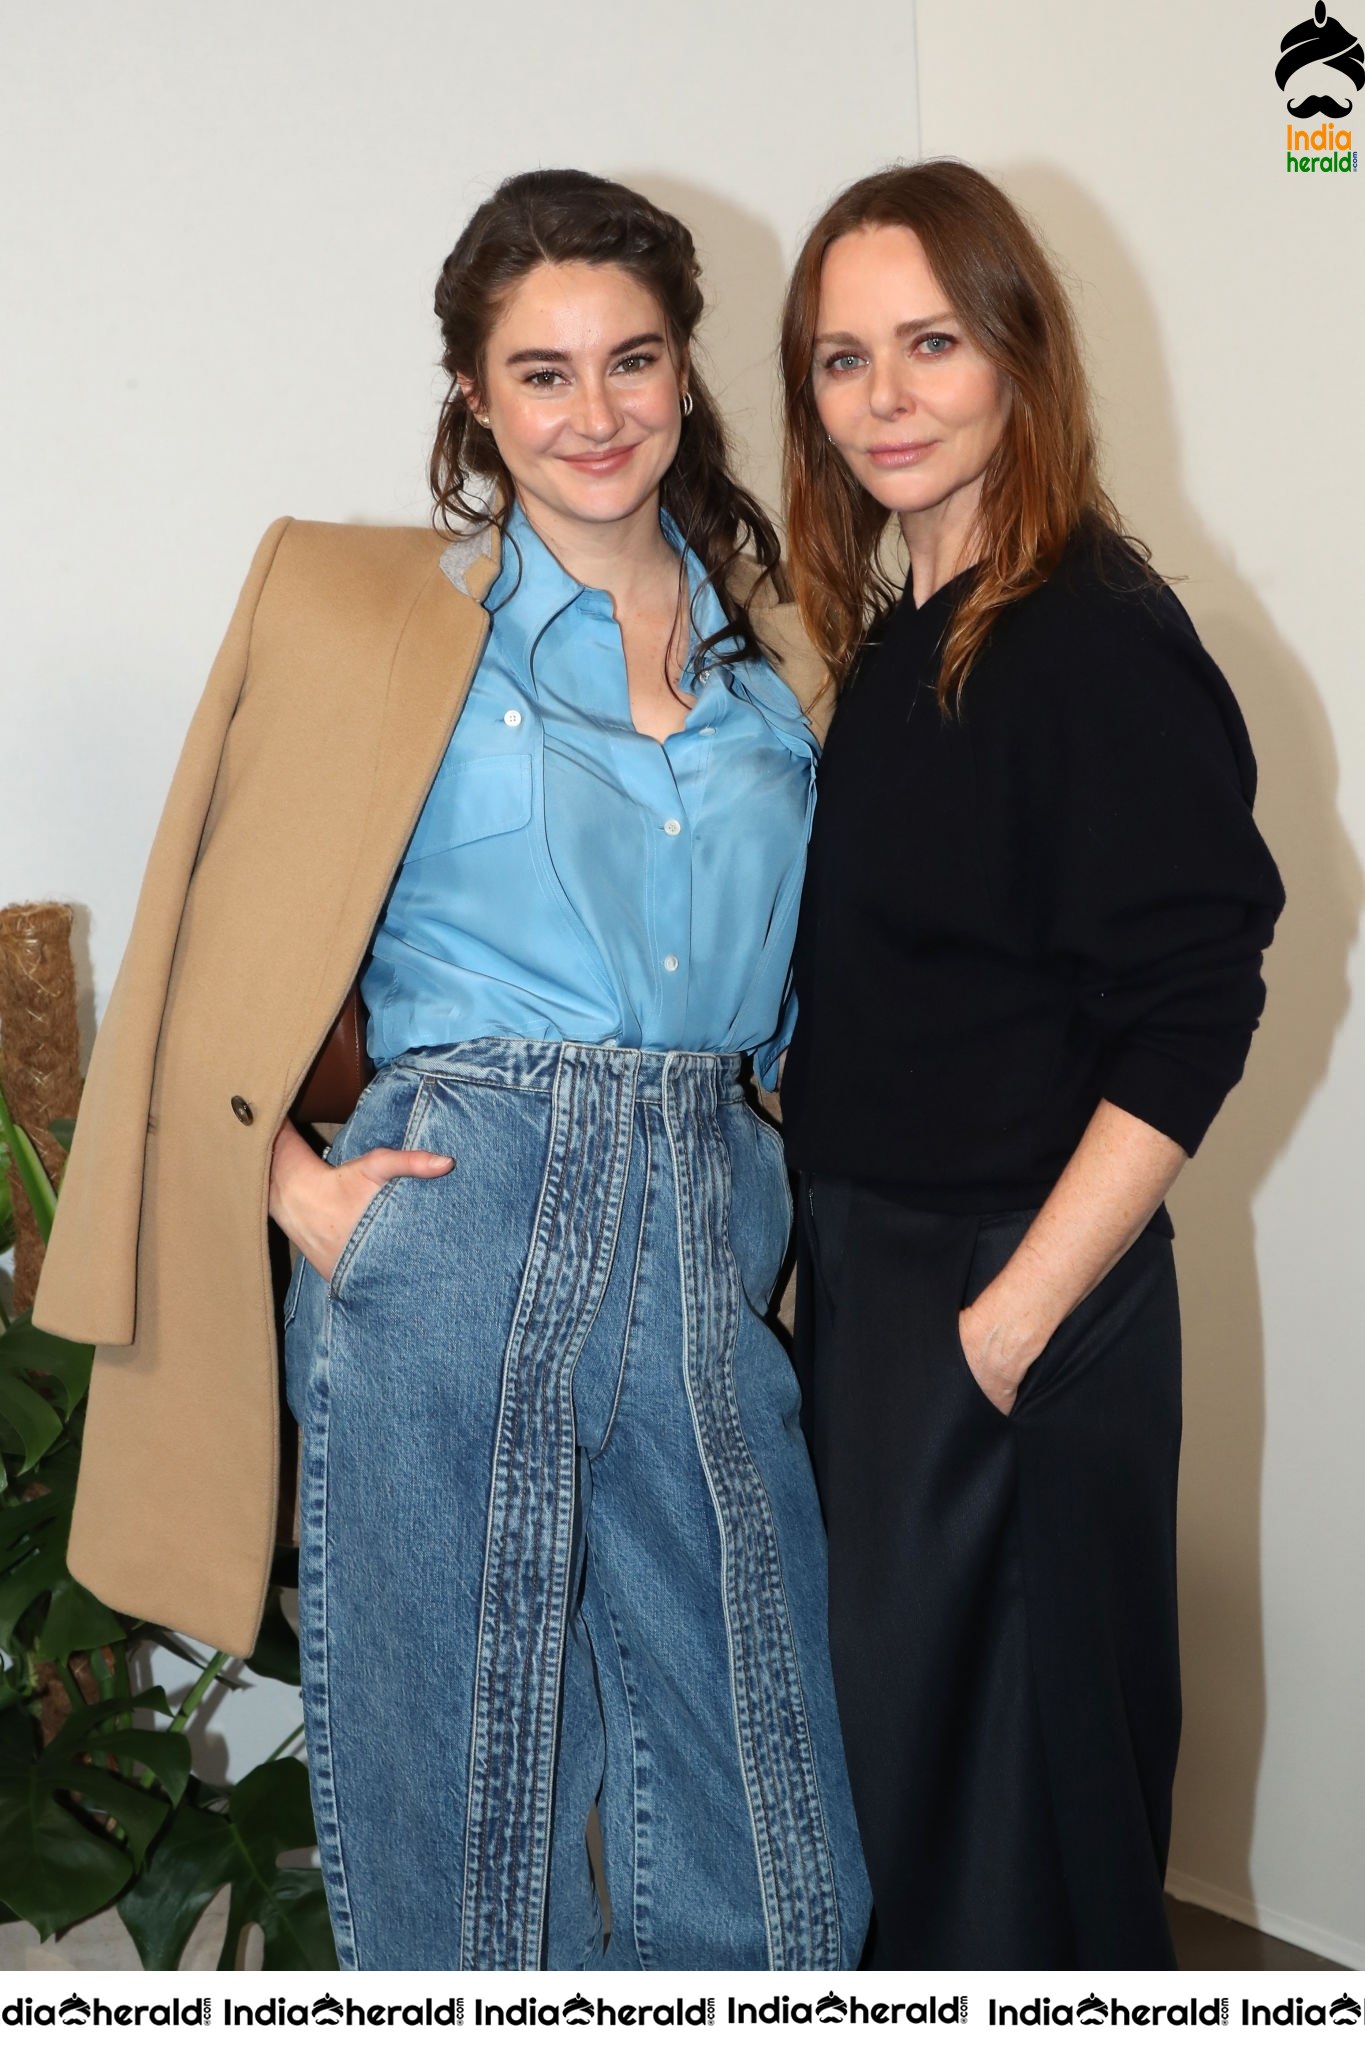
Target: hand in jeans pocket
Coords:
[[318, 1206]]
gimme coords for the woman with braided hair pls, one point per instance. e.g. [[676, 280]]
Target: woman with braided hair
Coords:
[[544, 782]]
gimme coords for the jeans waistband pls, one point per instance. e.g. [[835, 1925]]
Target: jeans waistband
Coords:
[[535, 1064]]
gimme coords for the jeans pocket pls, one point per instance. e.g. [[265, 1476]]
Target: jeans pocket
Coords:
[[361, 1230], [291, 1292], [304, 1333], [396, 1118]]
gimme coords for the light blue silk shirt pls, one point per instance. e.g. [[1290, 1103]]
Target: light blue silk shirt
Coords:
[[571, 878]]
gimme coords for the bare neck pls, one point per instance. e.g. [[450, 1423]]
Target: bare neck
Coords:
[[941, 542], [628, 558]]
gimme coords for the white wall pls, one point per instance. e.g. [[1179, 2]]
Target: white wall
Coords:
[[1223, 303], [221, 233]]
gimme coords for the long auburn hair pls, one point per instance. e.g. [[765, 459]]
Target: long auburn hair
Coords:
[[1041, 485], [568, 216]]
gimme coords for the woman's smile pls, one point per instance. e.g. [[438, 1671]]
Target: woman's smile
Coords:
[[601, 461]]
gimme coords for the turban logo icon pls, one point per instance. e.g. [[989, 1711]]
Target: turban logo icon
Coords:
[[1319, 46]]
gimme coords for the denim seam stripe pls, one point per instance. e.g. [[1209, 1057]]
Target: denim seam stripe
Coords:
[[315, 1503], [529, 1531], [629, 1325], [313, 1623], [794, 1861], [641, 1813]]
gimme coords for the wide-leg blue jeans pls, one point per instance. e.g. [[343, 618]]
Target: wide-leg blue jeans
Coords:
[[560, 1536]]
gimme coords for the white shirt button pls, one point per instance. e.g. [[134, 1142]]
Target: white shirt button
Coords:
[[670, 963], [511, 718], [708, 732], [672, 827]]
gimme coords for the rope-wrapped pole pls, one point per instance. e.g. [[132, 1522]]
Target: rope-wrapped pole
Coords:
[[39, 1053]]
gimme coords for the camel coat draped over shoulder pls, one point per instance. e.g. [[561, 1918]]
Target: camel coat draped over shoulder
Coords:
[[325, 718]]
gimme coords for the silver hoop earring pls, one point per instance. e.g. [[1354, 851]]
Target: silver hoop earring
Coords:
[[687, 405]]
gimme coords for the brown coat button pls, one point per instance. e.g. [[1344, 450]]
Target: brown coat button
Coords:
[[241, 1109]]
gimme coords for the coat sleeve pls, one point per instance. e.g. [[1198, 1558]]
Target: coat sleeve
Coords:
[[88, 1289]]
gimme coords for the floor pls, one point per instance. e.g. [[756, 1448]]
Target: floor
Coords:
[[1206, 1941], [1203, 1940]]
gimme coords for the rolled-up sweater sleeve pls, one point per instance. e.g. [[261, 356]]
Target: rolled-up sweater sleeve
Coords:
[[1163, 895]]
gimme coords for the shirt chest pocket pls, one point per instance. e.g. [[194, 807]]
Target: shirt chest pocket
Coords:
[[472, 800]]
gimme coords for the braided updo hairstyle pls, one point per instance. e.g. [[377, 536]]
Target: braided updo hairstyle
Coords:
[[568, 216]]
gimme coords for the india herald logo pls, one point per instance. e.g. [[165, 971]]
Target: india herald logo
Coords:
[[1315, 57], [1326, 51]]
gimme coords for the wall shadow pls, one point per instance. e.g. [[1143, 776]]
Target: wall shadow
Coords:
[[743, 279], [1225, 1393]]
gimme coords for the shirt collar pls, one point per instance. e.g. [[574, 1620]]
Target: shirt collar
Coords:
[[532, 587], [532, 578], [532, 584]]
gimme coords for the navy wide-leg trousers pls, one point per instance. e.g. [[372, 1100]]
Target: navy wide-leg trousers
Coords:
[[1002, 1590]]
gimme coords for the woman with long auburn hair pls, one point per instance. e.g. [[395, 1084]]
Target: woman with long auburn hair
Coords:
[[542, 780], [1037, 900]]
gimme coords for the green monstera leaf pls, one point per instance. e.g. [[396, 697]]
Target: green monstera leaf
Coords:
[[61, 1368], [236, 1838], [43, 1380], [33, 1537], [54, 1868], [29, 1424], [59, 1860]]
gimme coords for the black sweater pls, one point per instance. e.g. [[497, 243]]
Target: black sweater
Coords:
[[1057, 897]]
